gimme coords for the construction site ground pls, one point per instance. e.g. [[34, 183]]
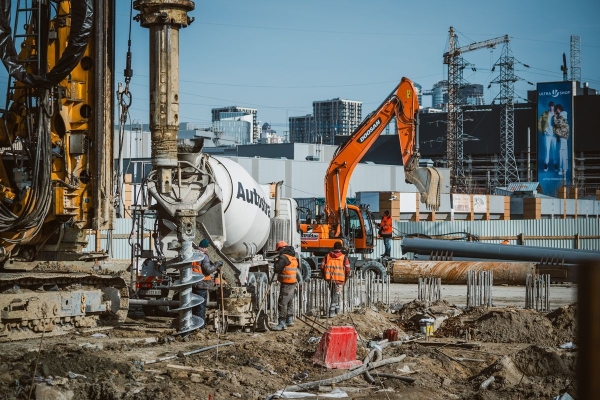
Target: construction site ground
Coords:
[[519, 348]]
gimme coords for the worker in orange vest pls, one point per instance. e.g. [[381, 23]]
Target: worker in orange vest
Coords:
[[336, 271], [385, 231], [206, 268], [286, 268]]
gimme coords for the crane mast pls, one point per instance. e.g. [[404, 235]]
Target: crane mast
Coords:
[[454, 131]]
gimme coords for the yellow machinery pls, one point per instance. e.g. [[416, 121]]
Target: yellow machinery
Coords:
[[56, 167]]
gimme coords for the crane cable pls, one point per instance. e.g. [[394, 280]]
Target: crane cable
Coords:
[[125, 99]]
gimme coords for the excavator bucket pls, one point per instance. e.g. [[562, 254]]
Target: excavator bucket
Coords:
[[429, 183]]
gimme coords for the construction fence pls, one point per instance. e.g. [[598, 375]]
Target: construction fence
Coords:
[[313, 297]]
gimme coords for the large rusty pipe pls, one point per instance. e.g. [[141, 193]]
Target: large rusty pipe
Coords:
[[497, 251], [455, 272]]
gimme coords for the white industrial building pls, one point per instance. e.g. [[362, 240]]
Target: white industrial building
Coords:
[[300, 166]]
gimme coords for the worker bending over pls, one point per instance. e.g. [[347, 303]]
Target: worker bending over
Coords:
[[286, 267], [336, 270], [206, 268]]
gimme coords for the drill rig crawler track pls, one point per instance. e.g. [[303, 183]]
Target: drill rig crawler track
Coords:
[[58, 303]]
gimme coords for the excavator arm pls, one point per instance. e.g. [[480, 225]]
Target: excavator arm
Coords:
[[403, 104]]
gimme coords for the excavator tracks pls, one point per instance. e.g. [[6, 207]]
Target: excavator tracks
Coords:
[[32, 304]]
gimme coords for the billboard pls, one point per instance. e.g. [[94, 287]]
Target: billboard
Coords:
[[555, 135]]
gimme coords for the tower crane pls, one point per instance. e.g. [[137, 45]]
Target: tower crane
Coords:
[[454, 131]]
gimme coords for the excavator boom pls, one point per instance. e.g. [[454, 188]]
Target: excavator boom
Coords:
[[403, 104]]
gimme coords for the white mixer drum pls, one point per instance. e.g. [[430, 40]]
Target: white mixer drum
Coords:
[[246, 208]]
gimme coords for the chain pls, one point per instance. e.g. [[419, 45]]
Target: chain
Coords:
[[125, 99]]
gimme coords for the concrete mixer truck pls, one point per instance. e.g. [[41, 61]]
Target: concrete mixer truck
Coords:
[[241, 220]]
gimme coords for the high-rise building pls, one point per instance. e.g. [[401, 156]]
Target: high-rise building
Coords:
[[440, 95], [336, 117], [302, 129], [234, 111], [419, 90], [472, 95], [239, 128]]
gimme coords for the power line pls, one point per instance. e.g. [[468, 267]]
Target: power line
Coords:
[[272, 28]]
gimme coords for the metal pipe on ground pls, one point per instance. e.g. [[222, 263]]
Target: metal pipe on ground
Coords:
[[498, 251]]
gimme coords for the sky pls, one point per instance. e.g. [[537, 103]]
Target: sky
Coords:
[[279, 56]]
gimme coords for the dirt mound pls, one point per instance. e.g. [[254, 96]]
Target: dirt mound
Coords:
[[410, 313], [409, 310], [544, 362], [533, 372], [512, 326], [564, 321], [502, 326], [369, 324]]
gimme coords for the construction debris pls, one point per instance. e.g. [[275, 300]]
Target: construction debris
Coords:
[[519, 348]]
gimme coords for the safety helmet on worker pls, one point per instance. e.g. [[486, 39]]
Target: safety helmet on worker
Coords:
[[280, 244]]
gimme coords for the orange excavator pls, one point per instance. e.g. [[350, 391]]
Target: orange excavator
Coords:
[[353, 225]]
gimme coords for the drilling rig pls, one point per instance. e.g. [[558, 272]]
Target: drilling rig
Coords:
[[56, 168]]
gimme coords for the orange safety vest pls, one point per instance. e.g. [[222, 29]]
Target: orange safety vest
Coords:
[[288, 275], [334, 269], [386, 225], [197, 268]]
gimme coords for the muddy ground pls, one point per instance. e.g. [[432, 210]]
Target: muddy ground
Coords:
[[519, 348]]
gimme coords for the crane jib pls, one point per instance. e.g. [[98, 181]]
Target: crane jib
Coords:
[[369, 131]]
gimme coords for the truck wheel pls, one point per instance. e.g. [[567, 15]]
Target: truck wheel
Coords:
[[306, 270], [373, 267]]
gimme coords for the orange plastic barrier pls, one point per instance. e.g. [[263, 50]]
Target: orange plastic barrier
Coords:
[[337, 348]]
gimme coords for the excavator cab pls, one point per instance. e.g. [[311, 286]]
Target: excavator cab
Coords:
[[359, 229]]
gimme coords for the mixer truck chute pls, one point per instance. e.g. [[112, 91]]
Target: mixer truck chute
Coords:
[[353, 225]]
